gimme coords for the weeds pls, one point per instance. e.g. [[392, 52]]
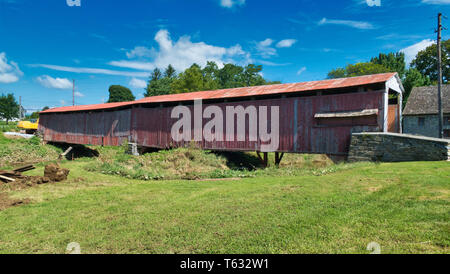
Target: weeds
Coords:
[[192, 163]]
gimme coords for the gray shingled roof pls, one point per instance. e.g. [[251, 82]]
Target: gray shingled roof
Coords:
[[423, 100]]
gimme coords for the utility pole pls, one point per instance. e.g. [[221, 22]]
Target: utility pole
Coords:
[[73, 93], [439, 58]]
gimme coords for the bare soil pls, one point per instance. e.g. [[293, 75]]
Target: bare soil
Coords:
[[6, 202], [52, 173]]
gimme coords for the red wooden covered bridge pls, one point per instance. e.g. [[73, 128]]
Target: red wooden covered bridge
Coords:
[[314, 117]]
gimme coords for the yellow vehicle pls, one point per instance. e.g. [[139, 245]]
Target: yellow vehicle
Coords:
[[30, 127]]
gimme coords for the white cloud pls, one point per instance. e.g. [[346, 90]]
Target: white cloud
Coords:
[[300, 71], [231, 3], [141, 52], [92, 70], [264, 48], [348, 23], [79, 94], [138, 65], [436, 2], [58, 83], [138, 83], [269, 63], [286, 43], [183, 53], [9, 72], [411, 51]]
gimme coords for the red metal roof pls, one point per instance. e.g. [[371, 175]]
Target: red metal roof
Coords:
[[242, 92]]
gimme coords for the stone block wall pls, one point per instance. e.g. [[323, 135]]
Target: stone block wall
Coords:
[[393, 147], [430, 128]]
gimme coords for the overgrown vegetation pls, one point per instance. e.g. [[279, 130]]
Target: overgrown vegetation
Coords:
[[15, 151], [192, 163], [10, 127]]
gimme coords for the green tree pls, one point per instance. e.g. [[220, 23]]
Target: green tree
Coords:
[[395, 62], [413, 78], [426, 62], [337, 73], [159, 85], [34, 115], [119, 93], [45, 108], [170, 72], [190, 80], [210, 77], [252, 76], [358, 69], [230, 76], [9, 108]]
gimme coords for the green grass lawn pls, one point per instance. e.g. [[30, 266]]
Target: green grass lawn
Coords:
[[403, 206]]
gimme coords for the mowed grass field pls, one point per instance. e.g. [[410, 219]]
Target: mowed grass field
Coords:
[[402, 206]]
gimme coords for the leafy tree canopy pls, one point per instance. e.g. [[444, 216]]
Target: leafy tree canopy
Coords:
[[210, 77], [395, 62], [119, 93], [9, 108], [426, 62], [413, 78], [358, 69]]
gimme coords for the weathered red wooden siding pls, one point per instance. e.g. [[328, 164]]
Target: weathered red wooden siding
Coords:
[[94, 128], [151, 126], [299, 131]]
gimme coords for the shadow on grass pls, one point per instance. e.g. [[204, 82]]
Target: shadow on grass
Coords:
[[78, 151], [240, 160]]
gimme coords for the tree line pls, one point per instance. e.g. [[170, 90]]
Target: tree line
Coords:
[[195, 78], [421, 72]]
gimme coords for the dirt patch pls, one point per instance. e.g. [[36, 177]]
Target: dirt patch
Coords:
[[374, 188], [24, 182], [55, 174], [52, 173], [6, 202]]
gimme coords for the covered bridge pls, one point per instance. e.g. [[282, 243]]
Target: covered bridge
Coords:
[[314, 117]]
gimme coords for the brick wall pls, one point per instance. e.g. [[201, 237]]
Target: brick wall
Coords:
[[393, 147]]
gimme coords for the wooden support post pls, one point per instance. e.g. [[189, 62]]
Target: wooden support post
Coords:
[[264, 160], [65, 153], [278, 158]]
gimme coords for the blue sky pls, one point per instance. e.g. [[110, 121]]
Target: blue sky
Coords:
[[45, 44]]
